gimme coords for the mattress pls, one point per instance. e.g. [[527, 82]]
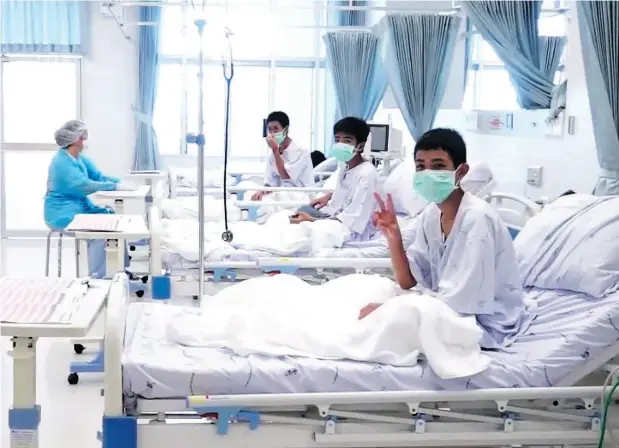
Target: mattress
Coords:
[[570, 329]]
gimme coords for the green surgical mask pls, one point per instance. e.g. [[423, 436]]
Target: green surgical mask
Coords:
[[279, 137], [434, 185], [342, 152]]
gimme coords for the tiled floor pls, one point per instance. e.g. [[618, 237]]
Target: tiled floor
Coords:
[[71, 415]]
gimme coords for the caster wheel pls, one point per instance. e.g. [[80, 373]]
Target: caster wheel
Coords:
[[195, 297], [73, 378], [144, 279], [78, 348], [132, 248], [139, 293]]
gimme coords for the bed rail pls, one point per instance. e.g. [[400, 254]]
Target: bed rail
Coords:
[[156, 232], [326, 263], [512, 217], [114, 337]]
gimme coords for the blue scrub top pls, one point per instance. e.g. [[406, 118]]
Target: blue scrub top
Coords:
[[70, 181]]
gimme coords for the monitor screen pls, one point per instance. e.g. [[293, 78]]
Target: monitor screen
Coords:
[[264, 128], [380, 137]]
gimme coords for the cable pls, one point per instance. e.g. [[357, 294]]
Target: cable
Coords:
[[227, 236], [607, 399]]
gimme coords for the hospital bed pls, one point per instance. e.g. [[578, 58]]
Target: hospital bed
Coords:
[[515, 215], [159, 394]]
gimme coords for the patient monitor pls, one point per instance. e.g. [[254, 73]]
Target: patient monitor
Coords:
[[384, 144]]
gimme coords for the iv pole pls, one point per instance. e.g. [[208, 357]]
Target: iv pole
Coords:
[[228, 69], [199, 140]]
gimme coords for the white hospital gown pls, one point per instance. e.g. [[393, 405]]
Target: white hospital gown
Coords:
[[298, 164], [353, 200], [474, 270]]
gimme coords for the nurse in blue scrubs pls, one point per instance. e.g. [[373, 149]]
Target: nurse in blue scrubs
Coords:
[[72, 177]]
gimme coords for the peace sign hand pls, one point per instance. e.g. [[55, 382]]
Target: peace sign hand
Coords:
[[384, 219]]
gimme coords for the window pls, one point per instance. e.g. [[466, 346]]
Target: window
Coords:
[[38, 97], [489, 86], [24, 211], [276, 58], [294, 94]]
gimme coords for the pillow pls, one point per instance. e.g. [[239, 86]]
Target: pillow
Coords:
[[572, 245]]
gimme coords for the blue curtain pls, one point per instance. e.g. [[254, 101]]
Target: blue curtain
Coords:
[[599, 33], [511, 28], [146, 153], [43, 26], [351, 17], [419, 50], [468, 49], [354, 61]]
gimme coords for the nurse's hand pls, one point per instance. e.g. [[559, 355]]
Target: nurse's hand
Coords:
[[384, 219], [368, 309]]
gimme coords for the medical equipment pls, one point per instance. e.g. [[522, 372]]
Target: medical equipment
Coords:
[[131, 202], [524, 398], [36, 308], [384, 144]]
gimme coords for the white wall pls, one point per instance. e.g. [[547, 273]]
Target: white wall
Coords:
[[109, 90]]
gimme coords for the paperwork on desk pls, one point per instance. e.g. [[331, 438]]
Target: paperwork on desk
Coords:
[[33, 300], [99, 223]]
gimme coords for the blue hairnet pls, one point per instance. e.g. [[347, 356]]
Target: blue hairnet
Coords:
[[70, 132]]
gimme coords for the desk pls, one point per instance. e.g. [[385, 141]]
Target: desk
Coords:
[[124, 202], [44, 308], [134, 228]]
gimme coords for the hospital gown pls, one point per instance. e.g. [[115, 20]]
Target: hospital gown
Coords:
[[474, 270], [298, 164], [353, 200], [70, 181]]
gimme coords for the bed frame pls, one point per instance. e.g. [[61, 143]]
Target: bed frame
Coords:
[[492, 417], [515, 218]]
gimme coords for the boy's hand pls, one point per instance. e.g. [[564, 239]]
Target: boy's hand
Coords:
[[368, 309], [384, 219], [300, 217], [320, 202]]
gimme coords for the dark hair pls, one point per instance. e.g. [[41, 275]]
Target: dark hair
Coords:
[[568, 192], [356, 127], [280, 117], [317, 158], [448, 140]]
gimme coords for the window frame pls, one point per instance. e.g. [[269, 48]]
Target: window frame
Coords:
[[315, 64], [8, 58]]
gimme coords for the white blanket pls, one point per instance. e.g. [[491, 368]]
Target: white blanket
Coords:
[[276, 237], [284, 316]]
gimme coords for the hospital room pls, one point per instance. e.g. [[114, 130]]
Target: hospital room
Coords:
[[309, 223]]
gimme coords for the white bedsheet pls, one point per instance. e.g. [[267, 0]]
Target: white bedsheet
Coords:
[[277, 237], [284, 316]]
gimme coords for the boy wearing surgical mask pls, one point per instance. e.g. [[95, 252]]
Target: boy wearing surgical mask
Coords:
[[288, 165], [462, 251], [352, 201]]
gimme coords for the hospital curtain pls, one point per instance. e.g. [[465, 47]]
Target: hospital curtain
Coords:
[[599, 33], [339, 18], [355, 65], [28, 26], [511, 28], [146, 153], [468, 50], [352, 17], [419, 50]]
